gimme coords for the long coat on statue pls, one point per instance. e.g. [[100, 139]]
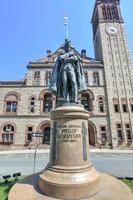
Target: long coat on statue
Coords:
[[56, 78]]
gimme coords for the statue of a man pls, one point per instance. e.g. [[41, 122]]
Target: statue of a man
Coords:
[[67, 77]]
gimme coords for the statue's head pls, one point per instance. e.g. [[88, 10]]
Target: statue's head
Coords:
[[67, 45]]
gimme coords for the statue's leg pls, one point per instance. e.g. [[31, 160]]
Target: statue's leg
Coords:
[[65, 85], [74, 89]]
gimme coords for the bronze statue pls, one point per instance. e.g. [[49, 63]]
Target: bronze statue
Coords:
[[67, 77]]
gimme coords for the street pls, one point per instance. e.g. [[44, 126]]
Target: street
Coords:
[[120, 165]]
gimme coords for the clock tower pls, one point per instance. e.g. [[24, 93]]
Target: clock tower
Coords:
[[111, 47]]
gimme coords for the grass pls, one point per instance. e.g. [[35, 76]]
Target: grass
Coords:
[[129, 183], [5, 187]]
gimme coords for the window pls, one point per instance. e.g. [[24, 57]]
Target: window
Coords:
[[29, 134], [114, 11], [116, 105], [37, 74], [104, 12], [131, 107], [119, 133], [47, 103], [48, 78], [96, 78], [101, 105], [32, 105], [124, 105], [103, 134], [110, 12], [131, 104], [128, 132], [46, 137], [11, 107], [36, 81], [11, 102], [85, 101], [116, 108], [86, 79], [8, 134]]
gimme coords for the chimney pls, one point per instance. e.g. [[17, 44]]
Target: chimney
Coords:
[[83, 53], [49, 53]]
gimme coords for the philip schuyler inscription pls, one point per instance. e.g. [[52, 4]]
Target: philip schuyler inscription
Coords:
[[69, 133]]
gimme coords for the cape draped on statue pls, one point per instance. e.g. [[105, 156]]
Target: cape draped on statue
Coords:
[[56, 80]]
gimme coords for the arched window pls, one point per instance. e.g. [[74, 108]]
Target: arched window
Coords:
[[11, 103], [47, 103], [101, 104], [32, 105], [109, 17], [44, 128], [8, 134], [46, 137], [86, 101], [114, 12]]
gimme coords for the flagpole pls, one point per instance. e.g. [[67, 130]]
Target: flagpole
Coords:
[[67, 32], [66, 24]]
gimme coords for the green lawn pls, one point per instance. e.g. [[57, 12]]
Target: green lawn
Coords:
[[5, 187]]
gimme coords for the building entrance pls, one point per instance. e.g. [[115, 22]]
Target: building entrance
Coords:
[[92, 134], [44, 128]]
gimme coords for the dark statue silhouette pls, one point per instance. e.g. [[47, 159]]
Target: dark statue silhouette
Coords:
[[67, 77]]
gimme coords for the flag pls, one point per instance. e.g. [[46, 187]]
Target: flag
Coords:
[[66, 20]]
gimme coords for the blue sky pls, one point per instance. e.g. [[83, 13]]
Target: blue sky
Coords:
[[29, 27]]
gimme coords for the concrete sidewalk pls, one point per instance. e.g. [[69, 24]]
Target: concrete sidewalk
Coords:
[[27, 151]]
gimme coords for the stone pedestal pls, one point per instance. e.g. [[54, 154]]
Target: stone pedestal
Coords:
[[69, 168], [69, 174]]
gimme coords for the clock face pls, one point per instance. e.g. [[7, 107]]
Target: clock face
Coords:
[[111, 30]]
